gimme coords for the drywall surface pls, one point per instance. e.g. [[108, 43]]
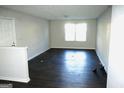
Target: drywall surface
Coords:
[[57, 35], [31, 31], [116, 55], [14, 64], [103, 36]]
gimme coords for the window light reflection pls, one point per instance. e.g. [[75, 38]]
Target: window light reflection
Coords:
[[75, 61]]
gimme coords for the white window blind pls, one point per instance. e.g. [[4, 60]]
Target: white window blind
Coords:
[[75, 32], [69, 32], [81, 30]]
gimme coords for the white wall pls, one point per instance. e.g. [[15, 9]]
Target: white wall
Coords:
[[14, 64], [57, 36], [103, 36], [31, 31], [116, 55]]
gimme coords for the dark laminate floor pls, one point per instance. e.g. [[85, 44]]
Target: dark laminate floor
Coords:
[[64, 68]]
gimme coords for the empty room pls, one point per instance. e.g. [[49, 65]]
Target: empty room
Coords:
[[61, 46]]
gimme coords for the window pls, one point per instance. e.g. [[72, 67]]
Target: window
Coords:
[[69, 32], [75, 32]]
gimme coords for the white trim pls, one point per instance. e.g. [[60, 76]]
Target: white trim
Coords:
[[25, 80], [14, 32], [74, 48], [102, 62], [29, 58], [58, 47]]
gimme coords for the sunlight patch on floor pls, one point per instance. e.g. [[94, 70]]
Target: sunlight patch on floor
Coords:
[[75, 61]]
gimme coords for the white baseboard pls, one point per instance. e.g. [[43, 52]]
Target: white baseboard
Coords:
[[101, 61], [59, 47], [74, 48], [24, 80], [37, 54]]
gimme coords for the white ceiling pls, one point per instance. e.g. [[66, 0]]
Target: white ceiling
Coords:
[[54, 12]]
